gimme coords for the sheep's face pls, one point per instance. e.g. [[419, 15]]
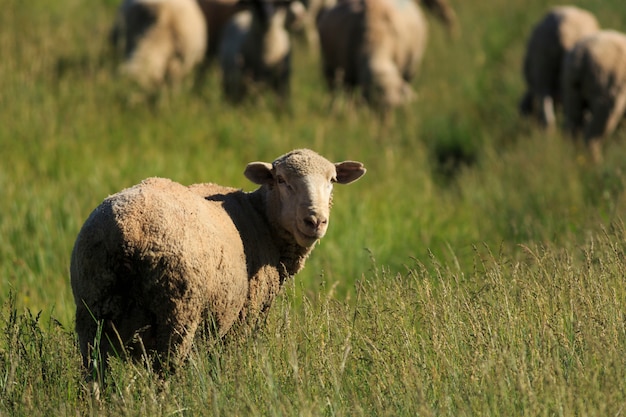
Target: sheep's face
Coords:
[[301, 183]]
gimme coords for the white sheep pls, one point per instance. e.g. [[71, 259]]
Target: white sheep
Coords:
[[594, 87], [162, 40], [551, 38], [256, 49], [377, 45], [156, 261]]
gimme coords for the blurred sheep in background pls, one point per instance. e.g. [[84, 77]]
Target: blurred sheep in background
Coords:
[[161, 40], [377, 45], [255, 48], [551, 38], [594, 87]]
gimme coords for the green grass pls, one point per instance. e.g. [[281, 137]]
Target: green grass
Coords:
[[477, 269]]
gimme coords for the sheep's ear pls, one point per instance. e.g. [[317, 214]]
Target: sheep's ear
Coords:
[[259, 173], [349, 171]]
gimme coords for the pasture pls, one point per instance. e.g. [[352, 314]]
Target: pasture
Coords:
[[476, 269]]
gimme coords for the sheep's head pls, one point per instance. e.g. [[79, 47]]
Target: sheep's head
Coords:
[[301, 185]]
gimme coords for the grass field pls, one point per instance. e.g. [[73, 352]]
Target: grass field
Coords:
[[476, 270]]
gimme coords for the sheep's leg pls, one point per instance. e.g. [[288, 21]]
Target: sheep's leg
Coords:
[[87, 329], [331, 77], [547, 111], [600, 113], [616, 114], [606, 114], [98, 339], [573, 110], [174, 331], [596, 128], [173, 346]]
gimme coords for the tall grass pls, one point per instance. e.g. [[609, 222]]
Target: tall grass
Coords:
[[540, 336], [477, 269]]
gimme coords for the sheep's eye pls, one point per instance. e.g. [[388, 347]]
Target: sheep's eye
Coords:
[[333, 180], [280, 180]]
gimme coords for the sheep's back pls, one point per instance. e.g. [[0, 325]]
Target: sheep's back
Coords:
[[599, 63], [164, 246], [550, 39], [575, 23]]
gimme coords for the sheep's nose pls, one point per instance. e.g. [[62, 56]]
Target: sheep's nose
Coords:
[[315, 222]]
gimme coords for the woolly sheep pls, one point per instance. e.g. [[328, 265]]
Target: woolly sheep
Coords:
[[256, 48], [162, 40], [594, 87], [551, 38], [374, 44], [156, 261]]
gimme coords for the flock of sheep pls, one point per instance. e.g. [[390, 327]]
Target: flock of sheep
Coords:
[[376, 45], [571, 60], [155, 263], [373, 45]]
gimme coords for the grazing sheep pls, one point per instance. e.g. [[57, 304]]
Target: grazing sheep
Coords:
[[551, 38], [156, 261], [374, 44], [162, 40], [256, 48], [594, 87]]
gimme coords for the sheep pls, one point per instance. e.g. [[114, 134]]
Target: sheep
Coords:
[[162, 40], [594, 87], [377, 45], [551, 38], [155, 262], [315, 8], [255, 48]]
